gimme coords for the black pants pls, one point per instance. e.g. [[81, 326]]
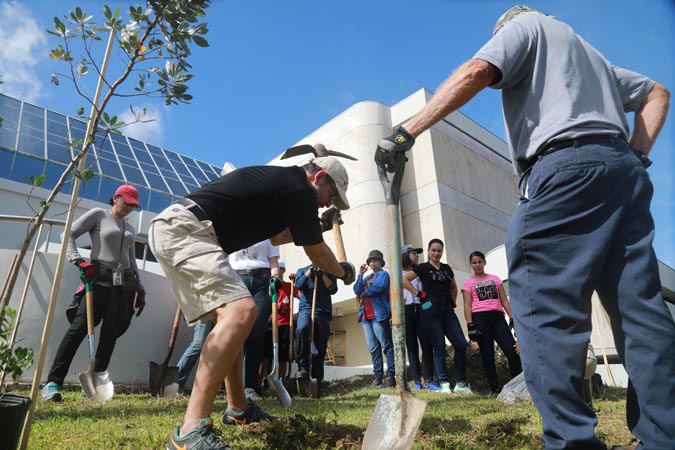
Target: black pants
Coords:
[[493, 327], [116, 323]]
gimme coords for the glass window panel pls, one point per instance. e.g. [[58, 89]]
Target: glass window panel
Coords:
[[5, 161], [176, 187], [180, 167], [210, 172], [199, 176], [108, 188], [155, 150], [32, 132], [121, 146], [141, 153], [58, 152], [110, 168], [187, 179], [56, 124], [7, 137], [159, 201], [89, 189], [53, 173], [127, 161], [28, 144], [33, 117], [10, 108], [32, 109], [191, 187], [134, 175], [24, 167], [149, 168], [168, 173], [156, 182], [143, 196], [163, 163]]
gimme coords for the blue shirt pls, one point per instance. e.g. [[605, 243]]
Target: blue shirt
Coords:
[[378, 291], [305, 285]]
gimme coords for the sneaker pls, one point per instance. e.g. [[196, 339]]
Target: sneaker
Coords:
[[252, 395], [376, 382], [249, 415], [445, 388], [203, 437], [431, 386], [50, 392], [303, 373], [463, 388], [390, 383], [417, 386]]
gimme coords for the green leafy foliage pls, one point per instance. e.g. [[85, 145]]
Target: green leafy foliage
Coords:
[[13, 361]]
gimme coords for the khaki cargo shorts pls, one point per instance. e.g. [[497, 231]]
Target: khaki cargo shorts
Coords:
[[195, 265]]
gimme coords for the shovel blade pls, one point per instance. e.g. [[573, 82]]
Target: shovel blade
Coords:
[[162, 380], [394, 423], [86, 380], [280, 391], [307, 387]]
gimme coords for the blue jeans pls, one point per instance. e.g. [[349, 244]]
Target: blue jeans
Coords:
[[586, 227], [319, 340], [378, 337], [258, 285], [191, 355], [493, 327], [431, 328], [413, 334], [453, 331]]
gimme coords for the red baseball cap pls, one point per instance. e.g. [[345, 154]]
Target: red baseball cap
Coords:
[[129, 194]]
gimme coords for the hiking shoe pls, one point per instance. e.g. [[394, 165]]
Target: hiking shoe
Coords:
[[390, 383], [50, 392], [431, 386], [252, 395], [303, 373], [249, 415], [417, 386], [376, 382], [203, 437], [445, 388], [463, 388]]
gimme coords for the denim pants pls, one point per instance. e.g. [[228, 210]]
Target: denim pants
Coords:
[[432, 329], [319, 340], [413, 334], [190, 357], [453, 331], [586, 226], [378, 337], [258, 285], [493, 327]]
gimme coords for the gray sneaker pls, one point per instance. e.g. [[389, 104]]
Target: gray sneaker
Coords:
[[50, 392], [203, 438]]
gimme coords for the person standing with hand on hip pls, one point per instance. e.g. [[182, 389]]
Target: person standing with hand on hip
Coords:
[[583, 217]]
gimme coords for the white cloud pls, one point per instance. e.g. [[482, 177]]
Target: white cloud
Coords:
[[150, 132], [21, 39]]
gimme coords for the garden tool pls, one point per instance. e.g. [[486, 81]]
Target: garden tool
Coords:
[[273, 380], [397, 417], [96, 386], [316, 150], [307, 386], [162, 379]]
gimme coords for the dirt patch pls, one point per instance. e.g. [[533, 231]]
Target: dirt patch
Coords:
[[300, 432]]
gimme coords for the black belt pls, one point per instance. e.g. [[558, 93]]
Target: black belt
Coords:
[[193, 207], [254, 271], [583, 140]]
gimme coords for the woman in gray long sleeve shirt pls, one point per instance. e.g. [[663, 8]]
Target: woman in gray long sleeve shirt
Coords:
[[115, 283]]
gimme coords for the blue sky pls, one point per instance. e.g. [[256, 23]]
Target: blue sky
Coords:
[[276, 71]]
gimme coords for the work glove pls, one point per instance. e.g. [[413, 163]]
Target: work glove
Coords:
[[292, 277], [316, 272], [422, 295], [390, 148], [326, 219], [275, 283], [87, 270], [474, 333], [140, 302], [350, 273]]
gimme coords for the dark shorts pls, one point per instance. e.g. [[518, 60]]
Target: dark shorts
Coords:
[[283, 342]]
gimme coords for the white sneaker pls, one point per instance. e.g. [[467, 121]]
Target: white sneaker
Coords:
[[252, 395], [50, 392], [445, 388]]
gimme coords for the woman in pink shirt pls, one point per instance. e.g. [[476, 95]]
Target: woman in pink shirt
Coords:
[[484, 304]]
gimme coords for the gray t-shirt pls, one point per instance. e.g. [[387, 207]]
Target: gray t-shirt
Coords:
[[107, 244], [556, 86]]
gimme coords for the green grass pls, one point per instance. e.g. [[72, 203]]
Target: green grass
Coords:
[[337, 421]]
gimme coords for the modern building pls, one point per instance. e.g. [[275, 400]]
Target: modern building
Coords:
[[458, 186]]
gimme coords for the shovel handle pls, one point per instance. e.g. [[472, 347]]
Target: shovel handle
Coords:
[[290, 326], [89, 299], [174, 333]]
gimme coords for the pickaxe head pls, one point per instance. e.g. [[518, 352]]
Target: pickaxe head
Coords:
[[316, 150]]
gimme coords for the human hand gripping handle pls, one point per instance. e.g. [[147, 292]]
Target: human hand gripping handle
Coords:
[[390, 158], [316, 272], [87, 270], [350, 273], [422, 295], [474, 333], [276, 282], [140, 302]]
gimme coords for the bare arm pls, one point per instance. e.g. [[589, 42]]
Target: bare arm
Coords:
[[321, 255], [453, 292], [468, 80], [274, 265], [650, 119], [505, 301], [407, 278], [467, 307], [282, 238]]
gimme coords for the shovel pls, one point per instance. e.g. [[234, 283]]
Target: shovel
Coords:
[[397, 417], [273, 380], [307, 386], [96, 386], [163, 380]]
